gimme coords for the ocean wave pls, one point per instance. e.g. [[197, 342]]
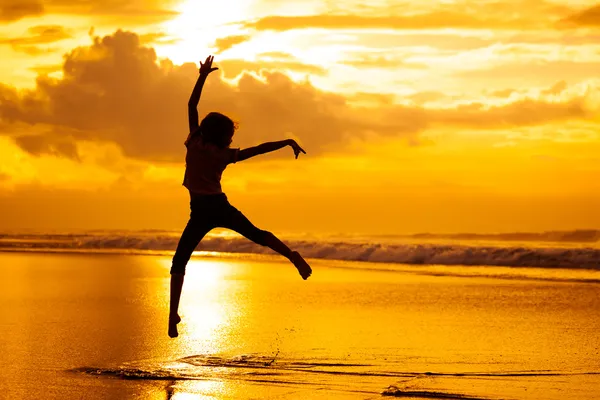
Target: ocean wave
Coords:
[[574, 236], [369, 251]]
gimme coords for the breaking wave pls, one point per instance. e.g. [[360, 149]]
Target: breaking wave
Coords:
[[378, 250], [576, 236]]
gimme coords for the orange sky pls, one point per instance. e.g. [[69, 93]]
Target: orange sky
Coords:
[[435, 116]]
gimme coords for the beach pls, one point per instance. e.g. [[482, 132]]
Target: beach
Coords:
[[436, 163], [94, 326]]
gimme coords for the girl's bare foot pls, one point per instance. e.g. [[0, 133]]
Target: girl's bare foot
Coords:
[[302, 266], [173, 321]]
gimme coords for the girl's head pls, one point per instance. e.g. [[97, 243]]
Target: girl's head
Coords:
[[217, 129]]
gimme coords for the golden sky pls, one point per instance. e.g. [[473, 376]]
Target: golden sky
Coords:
[[417, 116]]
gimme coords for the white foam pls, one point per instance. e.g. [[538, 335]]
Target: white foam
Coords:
[[378, 252]]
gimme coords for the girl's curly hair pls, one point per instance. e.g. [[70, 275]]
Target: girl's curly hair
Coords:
[[217, 129]]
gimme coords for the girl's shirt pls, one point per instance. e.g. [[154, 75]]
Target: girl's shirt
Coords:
[[204, 165]]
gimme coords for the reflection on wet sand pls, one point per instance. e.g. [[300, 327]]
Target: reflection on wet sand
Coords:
[[96, 327], [196, 390]]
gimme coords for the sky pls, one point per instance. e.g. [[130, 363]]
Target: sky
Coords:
[[417, 116]]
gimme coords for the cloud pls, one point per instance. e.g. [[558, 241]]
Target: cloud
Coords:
[[503, 93], [36, 36], [512, 15], [158, 38], [381, 61], [557, 88], [371, 99], [12, 10], [588, 17], [437, 19], [526, 112], [117, 91], [228, 42], [41, 34], [425, 21], [233, 67], [51, 145], [534, 72], [141, 11], [36, 50], [277, 55], [427, 97]]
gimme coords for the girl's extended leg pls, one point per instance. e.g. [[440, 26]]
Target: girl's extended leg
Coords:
[[238, 222], [191, 236]]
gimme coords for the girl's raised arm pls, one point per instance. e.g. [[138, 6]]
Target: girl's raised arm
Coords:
[[205, 69]]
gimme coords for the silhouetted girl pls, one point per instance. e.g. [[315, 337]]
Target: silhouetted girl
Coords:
[[208, 154]]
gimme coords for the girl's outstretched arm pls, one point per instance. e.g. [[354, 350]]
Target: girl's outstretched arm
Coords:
[[269, 147], [205, 69]]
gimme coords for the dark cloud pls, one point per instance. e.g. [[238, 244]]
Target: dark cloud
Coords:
[[52, 145], [12, 10], [587, 17], [115, 90]]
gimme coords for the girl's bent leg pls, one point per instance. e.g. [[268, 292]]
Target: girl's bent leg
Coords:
[[272, 241], [238, 222]]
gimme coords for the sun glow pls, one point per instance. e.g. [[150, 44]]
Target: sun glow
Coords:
[[199, 25]]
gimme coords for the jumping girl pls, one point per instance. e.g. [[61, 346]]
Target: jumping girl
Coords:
[[208, 154]]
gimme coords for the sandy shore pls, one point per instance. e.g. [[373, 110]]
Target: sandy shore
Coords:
[[94, 327]]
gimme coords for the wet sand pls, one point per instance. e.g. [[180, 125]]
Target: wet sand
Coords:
[[86, 326]]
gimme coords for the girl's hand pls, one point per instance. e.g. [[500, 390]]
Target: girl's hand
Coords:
[[297, 149], [207, 68]]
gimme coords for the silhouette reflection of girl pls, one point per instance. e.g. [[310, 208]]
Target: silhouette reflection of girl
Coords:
[[208, 154]]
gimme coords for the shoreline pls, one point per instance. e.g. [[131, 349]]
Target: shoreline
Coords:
[[511, 273]]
